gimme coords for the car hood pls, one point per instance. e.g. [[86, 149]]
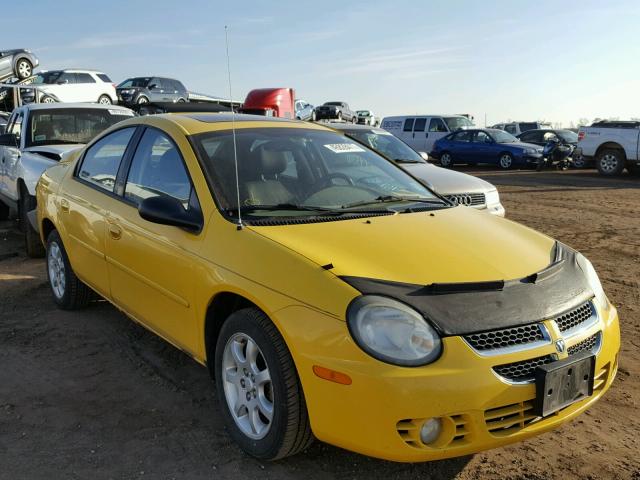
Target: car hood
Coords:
[[446, 181], [444, 246], [522, 145], [54, 152]]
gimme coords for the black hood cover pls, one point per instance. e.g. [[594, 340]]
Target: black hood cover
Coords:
[[464, 308]]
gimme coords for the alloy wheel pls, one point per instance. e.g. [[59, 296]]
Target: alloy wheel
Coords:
[[506, 161], [609, 163], [445, 160], [24, 69], [55, 264], [247, 386]]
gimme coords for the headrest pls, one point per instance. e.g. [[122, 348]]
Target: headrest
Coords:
[[271, 158]]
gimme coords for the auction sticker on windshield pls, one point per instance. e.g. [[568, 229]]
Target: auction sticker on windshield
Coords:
[[344, 148], [121, 112]]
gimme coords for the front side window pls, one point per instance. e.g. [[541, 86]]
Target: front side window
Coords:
[[141, 82], [437, 125], [530, 137], [482, 137], [284, 171], [457, 123], [102, 160], [461, 137], [157, 169], [408, 125], [16, 126], [510, 129]]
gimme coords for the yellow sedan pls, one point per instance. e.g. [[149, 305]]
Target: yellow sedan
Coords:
[[330, 294]]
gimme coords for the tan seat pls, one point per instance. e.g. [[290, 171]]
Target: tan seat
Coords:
[[263, 186]]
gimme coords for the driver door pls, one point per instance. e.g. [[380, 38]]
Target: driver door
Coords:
[[9, 157]]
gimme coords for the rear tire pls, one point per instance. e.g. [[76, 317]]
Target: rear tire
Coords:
[[247, 383], [32, 243], [610, 162], [105, 100], [446, 160], [68, 291], [505, 161], [24, 69]]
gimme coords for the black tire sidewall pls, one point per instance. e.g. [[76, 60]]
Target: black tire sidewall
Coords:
[[33, 245], [619, 166], [244, 321]]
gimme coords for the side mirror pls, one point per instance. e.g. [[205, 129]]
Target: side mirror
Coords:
[[167, 210], [9, 140], [153, 86], [424, 155]]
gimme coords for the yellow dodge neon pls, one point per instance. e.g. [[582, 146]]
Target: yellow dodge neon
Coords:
[[330, 294]]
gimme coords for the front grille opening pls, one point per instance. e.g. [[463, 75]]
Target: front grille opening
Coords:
[[468, 199], [523, 371], [507, 420], [575, 317], [588, 344], [507, 337]]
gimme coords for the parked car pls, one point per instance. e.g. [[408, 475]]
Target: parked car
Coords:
[[421, 131], [367, 117], [157, 108], [37, 137], [485, 145], [270, 102], [516, 128], [17, 63], [15, 93], [613, 145], [336, 111], [338, 298], [304, 111], [457, 187], [137, 90], [543, 136], [75, 86]]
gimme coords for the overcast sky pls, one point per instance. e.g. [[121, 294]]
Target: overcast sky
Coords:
[[508, 60]]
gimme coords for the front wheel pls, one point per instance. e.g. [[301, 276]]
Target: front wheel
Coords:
[[258, 388], [68, 291], [142, 100], [505, 161], [47, 99], [24, 69], [105, 100]]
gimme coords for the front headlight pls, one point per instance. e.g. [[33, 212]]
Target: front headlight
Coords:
[[592, 279], [529, 151], [492, 197], [392, 332]]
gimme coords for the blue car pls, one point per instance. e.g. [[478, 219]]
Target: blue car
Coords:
[[486, 145]]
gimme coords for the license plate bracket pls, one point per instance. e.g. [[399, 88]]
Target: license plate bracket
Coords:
[[561, 383]]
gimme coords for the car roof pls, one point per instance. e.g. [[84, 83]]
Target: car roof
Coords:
[[72, 70], [58, 106], [351, 127]]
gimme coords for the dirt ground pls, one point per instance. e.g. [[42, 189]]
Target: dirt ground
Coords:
[[91, 395]]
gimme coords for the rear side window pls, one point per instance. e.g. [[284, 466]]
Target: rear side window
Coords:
[[437, 125], [408, 125], [102, 160], [157, 169], [105, 78], [66, 77], [530, 136], [510, 129], [420, 124], [463, 136], [524, 126], [84, 78]]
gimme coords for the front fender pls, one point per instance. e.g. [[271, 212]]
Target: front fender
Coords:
[[30, 168]]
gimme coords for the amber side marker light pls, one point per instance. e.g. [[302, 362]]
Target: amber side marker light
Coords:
[[332, 375]]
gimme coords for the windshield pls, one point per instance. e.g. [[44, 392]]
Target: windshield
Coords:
[[70, 125], [334, 104], [135, 82], [503, 137], [386, 144], [289, 171], [457, 123], [363, 113], [568, 136], [47, 78]]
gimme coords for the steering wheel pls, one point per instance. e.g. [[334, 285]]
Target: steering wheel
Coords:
[[327, 179]]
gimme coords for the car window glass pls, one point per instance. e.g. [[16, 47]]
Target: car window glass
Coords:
[[482, 137], [156, 83], [157, 169], [66, 78], [528, 137], [16, 126], [408, 125], [510, 129], [437, 125], [102, 160], [419, 125], [84, 78], [462, 137], [524, 126], [105, 78]]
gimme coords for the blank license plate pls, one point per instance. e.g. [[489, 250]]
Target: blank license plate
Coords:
[[561, 383]]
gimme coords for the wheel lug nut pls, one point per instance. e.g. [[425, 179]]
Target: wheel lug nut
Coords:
[[248, 396], [242, 384]]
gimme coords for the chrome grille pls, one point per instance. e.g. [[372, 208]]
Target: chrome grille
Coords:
[[575, 317], [508, 337], [466, 199], [588, 344], [522, 371]]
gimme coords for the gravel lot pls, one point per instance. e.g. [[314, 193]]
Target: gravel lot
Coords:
[[91, 395]]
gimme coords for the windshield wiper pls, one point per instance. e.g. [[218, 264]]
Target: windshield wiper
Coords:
[[282, 206], [393, 198], [406, 160]]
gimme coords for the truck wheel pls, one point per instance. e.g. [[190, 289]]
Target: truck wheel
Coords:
[[258, 388], [68, 291], [32, 243], [610, 162]]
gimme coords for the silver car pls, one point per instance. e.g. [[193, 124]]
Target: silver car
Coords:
[[17, 63], [457, 187]]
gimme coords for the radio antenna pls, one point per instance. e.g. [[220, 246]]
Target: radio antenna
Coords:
[[233, 129]]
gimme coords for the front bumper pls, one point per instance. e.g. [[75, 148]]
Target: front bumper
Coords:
[[495, 209], [381, 412]]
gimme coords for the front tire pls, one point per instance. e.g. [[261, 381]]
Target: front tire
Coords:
[[258, 388], [505, 161], [446, 160], [610, 162], [32, 243], [24, 69], [142, 100], [68, 291], [47, 99], [105, 100]]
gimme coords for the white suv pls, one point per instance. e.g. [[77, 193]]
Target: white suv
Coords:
[[75, 86]]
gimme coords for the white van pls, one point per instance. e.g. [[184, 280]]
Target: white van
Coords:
[[421, 131]]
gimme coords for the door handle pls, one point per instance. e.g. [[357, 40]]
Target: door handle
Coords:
[[115, 231], [64, 205], [426, 135]]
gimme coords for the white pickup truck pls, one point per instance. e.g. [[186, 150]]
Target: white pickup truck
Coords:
[[36, 137], [614, 145]]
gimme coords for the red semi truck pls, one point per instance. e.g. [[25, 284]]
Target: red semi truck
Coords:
[[270, 102]]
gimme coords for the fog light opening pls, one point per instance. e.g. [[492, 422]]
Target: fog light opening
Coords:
[[430, 430]]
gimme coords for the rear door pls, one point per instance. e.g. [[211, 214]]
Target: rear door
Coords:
[[481, 149], [437, 130], [88, 89], [406, 134], [420, 134]]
